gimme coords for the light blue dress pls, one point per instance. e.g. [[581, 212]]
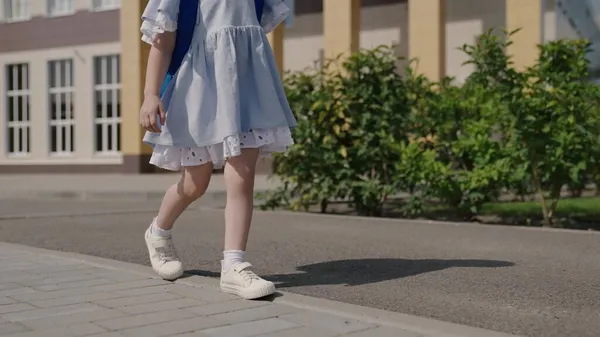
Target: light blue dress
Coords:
[[227, 94]]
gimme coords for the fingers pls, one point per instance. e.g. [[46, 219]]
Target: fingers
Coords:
[[150, 123], [152, 115], [162, 114], [153, 123]]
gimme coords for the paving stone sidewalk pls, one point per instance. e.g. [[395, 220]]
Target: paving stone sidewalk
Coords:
[[53, 294]]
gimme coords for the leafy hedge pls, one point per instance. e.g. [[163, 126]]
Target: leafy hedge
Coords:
[[366, 134]]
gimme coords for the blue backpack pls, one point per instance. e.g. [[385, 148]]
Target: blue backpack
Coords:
[[186, 23]]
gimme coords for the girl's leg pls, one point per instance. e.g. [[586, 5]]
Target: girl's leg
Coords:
[[192, 185], [239, 182], [237, 276], [163, 256]]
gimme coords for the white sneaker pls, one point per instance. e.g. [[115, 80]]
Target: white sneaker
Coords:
[[163, 256], [240, 280]]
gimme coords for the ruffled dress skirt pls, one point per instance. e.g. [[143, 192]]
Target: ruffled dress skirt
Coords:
[[227, 95]]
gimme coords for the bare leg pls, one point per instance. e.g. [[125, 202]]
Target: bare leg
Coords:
[[192, 185], [163, 256], [237, 276], [239, 182]]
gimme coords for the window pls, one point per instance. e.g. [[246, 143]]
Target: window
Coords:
[[17, 108], [107, 102], [61, 7], [104, 5], [16, 10], [62, 95]]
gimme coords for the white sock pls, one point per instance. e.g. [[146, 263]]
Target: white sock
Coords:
[[232, 257], [157, 231]]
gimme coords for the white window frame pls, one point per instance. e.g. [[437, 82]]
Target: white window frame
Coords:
[[61, 123], [105, 89], [10, 14], [22, 127], [60, 7], [105, 5]]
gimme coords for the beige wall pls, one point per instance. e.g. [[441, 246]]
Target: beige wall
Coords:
[[387, 24], [304, 42], [82, 57]]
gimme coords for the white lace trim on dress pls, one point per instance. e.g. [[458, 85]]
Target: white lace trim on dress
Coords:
[[268, 140], [151, 28]]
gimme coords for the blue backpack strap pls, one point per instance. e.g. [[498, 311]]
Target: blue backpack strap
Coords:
[[260, 5], [186, 24]]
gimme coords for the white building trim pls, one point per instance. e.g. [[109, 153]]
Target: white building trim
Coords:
[[84, 117]]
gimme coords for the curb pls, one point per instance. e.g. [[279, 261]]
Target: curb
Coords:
[[404, 221], [417, 324], [74, 214], [100, 195]]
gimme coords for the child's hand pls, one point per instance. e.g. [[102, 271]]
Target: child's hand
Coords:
[[152, 113]]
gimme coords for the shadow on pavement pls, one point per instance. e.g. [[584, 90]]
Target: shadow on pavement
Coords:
[[365, 271]]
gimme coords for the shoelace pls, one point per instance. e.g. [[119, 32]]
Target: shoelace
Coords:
[[167, 253], [249, 275]]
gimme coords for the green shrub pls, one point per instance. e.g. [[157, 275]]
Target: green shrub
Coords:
[[366, 134], [547, 114], [471, 166], [558, 122], [351, 118]]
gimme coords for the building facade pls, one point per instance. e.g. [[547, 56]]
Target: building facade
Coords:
[[60, 85], [72, 70]]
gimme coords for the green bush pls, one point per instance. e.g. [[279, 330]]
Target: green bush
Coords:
[[471, 165], [548, 115], [367, 134], [351, 116], [556, 121]]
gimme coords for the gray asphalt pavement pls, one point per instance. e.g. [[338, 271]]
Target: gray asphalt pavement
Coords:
[[528, 282]]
